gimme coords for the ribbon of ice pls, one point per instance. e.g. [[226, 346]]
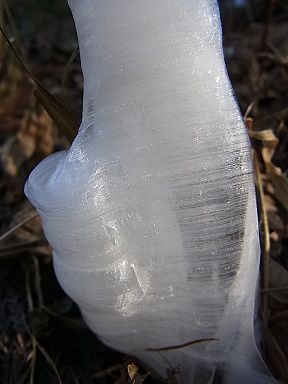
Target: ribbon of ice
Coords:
[[151, 213]]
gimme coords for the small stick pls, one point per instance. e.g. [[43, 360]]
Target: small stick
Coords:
[[188, 344]]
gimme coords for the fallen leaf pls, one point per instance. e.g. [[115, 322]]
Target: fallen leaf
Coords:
[[132, 370], [266, 136]]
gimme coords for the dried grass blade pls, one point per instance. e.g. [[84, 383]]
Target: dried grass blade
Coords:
[[59, 113], [10, 231]]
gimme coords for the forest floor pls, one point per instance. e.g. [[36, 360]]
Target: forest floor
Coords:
[[42, 336]]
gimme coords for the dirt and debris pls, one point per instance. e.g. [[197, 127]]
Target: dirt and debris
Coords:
[[42, 336]]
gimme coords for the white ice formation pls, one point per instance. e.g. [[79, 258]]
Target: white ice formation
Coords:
[[151, 213]]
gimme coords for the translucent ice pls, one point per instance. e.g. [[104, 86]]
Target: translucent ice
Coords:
[[151, 213]]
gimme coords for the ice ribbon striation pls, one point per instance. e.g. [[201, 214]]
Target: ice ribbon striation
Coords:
[[151, 212]]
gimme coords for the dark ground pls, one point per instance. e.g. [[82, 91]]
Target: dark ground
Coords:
[[42, 337]]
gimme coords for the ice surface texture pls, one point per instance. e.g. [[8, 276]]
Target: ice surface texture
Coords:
[[151, 213]]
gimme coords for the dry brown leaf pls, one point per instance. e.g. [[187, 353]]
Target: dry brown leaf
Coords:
[[134, 376], [266, 136], [132, 370], [33, 142], [267, 155], [279, 181]]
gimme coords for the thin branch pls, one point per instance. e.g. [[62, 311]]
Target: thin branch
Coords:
[[173, 347]]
